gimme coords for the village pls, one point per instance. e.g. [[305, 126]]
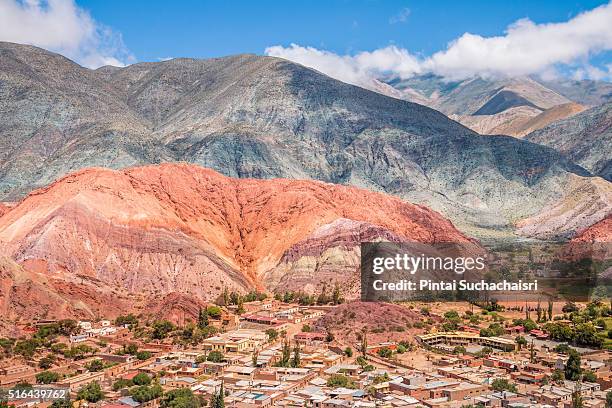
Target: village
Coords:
[[272, 352]]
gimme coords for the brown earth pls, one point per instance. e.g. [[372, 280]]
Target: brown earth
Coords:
[[382, 322]]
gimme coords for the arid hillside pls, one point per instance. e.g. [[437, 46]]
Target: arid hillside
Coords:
[[183, 228]]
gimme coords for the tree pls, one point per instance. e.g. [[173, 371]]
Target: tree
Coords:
[[285, 354], [202, 318], [161, 328], [520, 341], [295, 362], [337, 295], [586, 335], [129, 319], [226, 297], [143, 355], [569, 307], [141, 379], [550, 309], [180, 398], [122, 383], [364, 343], [385, 352], [47, 377], [609, 399], [95, 365], [502, 384], [558, 376], [240, 310], [91, 392], [459, 350], [272, 335], [215, 356], [572, 367], [340, 380], [220, 400], [348, 352], [144, 393], [539, 311], [47, 362], [131, 349], [589, 376], [577, 396], [60, 403]]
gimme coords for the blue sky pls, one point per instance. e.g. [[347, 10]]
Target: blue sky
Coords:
[[154, 29], [354, 41]]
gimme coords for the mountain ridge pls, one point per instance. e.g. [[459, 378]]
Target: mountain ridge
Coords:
[[262, 117]]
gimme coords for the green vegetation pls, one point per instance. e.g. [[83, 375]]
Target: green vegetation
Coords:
[[161, 328], [47, 377], [572, 367], [218, 399], [502, 384], [459, 350], [47, 362], [146, 393], [180, 398], [272, 335], [520, 341], [141, 379], [95, 365], [385, 352], [215, 357], [129, 320], [91, 392], [122, 383], [340, 380]]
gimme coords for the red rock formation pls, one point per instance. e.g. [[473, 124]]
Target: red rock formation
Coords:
[[186, 229], [599, 232], [594, 242]]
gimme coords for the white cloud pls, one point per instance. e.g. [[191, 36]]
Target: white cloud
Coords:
[[526, 48], [359, 69], [400, 17], [63, 27]]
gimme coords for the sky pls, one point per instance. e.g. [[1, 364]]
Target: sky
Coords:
[[354, 41]]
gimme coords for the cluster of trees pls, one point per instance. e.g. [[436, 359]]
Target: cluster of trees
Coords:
[[181, 398], [341, 380], [145, 393], [502, 384], [218, 399], [305, 299], [234, 298], [583, 334], [139, 379], [91, 392], [290, 357], [127, 320], [494, 329], [47, 377], [363, 362], [132, 349]]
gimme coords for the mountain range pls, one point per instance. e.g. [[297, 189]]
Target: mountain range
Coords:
[[510, 106], [248, 116]]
